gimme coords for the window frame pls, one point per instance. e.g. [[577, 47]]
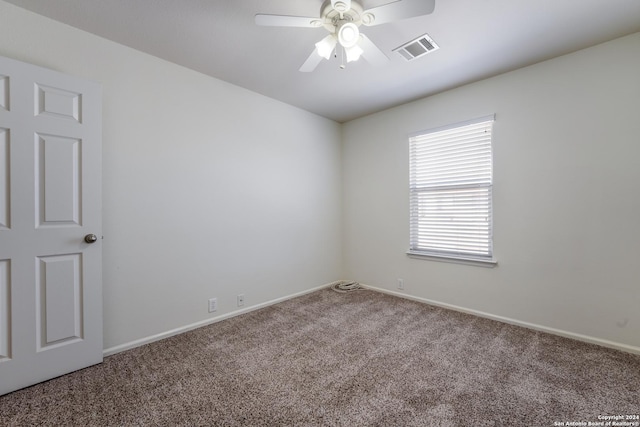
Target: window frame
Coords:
[[488, 260]]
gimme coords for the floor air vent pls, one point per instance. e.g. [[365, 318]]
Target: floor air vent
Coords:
[[417, 47]]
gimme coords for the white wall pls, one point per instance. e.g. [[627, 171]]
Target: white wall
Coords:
[[209, 190], [566, 195]]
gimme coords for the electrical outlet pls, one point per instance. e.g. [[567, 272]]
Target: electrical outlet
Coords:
[[240, 300], [400, 283], [213, 304]]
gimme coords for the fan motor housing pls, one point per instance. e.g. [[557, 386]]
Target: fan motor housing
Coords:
[[333, 19]]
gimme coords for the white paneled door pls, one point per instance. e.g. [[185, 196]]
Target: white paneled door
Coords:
[[50, 224]]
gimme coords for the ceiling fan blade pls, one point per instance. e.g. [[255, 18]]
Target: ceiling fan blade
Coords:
[[371, 52], [287, 21], [312, 62], [397, 10]]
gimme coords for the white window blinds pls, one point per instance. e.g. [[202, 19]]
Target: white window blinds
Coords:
[[450, 191]]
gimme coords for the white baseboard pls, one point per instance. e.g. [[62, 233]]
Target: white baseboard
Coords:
[[579, 337], [146, 340], [167, 334]]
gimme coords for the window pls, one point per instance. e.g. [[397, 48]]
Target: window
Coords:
[[450, 192]]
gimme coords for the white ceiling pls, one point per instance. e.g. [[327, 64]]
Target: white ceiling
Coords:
[[477, 39]]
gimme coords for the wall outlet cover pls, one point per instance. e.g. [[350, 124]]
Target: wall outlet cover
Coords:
[[213, 304]]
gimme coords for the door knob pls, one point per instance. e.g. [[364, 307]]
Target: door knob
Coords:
[[90, 238]]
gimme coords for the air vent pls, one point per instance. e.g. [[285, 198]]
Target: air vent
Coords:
[[417, 47]]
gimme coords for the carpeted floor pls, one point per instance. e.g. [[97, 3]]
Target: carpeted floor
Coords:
[[330, 359]]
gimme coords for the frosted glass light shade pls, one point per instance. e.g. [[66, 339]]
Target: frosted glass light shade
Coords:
[[326, 46], [353, 53]]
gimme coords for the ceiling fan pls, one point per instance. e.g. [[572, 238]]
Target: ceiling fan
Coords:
[[342, 18]]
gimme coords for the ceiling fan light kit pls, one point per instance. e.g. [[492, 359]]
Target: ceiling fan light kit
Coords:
[[341, 18]]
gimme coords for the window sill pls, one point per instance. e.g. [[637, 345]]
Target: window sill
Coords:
[[488, 263]]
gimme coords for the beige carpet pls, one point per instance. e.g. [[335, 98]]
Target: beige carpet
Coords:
[[356, 359]]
